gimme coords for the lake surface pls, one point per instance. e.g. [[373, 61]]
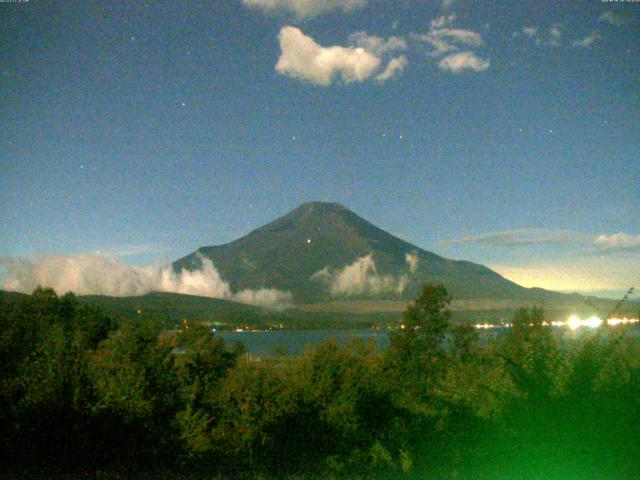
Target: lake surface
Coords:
[[264, 344], [295, 342]]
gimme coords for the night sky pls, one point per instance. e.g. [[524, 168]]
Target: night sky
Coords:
[[505, 133]]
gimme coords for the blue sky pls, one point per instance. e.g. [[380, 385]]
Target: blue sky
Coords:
[[505, 133]]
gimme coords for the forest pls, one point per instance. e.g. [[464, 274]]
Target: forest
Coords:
[[84, 395]]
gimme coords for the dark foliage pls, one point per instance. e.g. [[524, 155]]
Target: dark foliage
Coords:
[[84, 397]]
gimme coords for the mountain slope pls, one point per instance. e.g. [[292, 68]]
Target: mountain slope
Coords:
[[175, 307], [286, 254]]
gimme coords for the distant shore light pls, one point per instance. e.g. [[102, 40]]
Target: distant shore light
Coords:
[[574, 322]]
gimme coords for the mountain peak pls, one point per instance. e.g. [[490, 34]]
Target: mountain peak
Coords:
[[317, 207], [318, 248], [313, 217], [321, 204]]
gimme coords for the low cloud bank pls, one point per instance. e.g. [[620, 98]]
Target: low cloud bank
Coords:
[[521, 237], [617, 242], [599, 244], [88, 274], [361, 277]]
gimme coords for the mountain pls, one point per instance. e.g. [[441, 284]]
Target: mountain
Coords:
[[323, 251], [11, 297], [172, 308], [175, 307]]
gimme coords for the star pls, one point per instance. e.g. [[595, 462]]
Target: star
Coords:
[[184, 104]]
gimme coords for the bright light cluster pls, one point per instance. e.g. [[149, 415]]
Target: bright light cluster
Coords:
[[622, 321], [574, 322]]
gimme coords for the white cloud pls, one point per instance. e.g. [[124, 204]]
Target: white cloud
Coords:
[[587, 41], [554, 32], [446, 39], [526, 236], [403, 281], [447, 3], [306, 8], [265, 297], [440, 46], [359, 278], [443, 21], [459, 62], [89, 274], [412, 261], [393, 68], [553, 37], [612, 18], [302, 58], [376, 45], [617, 242], [589, 243], [459, 36], [455, 43]]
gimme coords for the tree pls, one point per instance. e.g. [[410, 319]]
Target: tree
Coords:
[[420, 342], [45, 384], [532, 355], [138, 394], [415, 365], [202, 363]]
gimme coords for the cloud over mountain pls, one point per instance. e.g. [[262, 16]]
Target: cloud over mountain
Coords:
[[412, 261], [360, 277], [88, 274]]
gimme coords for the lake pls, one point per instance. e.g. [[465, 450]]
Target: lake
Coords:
[[295, 342]]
